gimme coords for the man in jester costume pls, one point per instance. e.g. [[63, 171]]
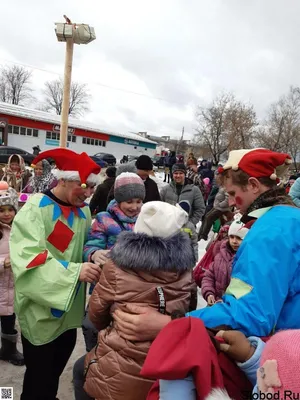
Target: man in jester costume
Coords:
[[46, 247]]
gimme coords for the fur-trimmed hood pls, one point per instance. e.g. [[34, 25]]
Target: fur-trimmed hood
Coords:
[[143, 252]]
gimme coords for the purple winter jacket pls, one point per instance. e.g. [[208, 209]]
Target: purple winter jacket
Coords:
[[216, 279]]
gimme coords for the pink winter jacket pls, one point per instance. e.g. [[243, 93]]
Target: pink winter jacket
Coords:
[[216, 279], [6, 275]]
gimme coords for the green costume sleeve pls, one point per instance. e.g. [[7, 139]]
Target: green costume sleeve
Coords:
[[42, 273]]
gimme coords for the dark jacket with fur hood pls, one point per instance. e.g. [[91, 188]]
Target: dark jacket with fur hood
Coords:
[[142, 270]]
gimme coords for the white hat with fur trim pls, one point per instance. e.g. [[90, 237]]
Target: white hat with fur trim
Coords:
[[160, 219], [237, 228]]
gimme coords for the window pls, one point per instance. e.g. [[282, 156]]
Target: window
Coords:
[[72, 138], [93, 142], [146, 149], [48, 135], [20, 130]]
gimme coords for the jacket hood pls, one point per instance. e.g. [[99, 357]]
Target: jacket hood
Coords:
[[224, 250], [143, 252]]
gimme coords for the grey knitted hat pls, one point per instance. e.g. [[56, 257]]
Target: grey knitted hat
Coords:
[[128, 167], [179, 167], [129, 186], [9, 197]]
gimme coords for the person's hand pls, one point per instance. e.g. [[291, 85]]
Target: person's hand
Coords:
[[100, 257], [236, 345], [211, 300], [89, 272], [140, 323], [7, 263]]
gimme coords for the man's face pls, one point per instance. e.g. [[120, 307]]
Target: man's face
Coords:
[[179, 177], [75, 194], [241, 197], [143, 174]]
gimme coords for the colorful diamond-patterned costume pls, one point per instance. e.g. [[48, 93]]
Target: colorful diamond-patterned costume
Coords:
[[46, 254]]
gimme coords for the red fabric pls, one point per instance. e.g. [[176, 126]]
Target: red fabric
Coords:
[[40, 259], [184, 347], [261, 163], [61, 236], [68, 160]]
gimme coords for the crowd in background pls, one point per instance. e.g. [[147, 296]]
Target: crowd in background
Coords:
[[141, 250]]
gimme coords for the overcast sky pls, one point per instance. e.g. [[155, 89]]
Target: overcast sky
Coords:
[[182, 51]]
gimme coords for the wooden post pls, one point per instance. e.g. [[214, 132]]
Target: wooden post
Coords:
[[66, 93]]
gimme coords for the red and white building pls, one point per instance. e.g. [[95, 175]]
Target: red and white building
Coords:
[[25, 128]]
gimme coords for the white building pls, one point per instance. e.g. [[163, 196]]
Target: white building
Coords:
[[24, 128]]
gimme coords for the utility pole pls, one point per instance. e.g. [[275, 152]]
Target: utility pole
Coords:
[[180, 141], [70, 33]]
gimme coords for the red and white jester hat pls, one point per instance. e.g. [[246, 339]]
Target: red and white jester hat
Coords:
[[71, 166], [258, 163]]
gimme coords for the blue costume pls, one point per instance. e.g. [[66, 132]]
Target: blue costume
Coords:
[[270, 254]]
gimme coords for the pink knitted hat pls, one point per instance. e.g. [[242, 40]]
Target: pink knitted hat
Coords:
[[279, 371], [129, 186]]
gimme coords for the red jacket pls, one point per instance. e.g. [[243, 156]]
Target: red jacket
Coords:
[[216, 279], [184, 347]]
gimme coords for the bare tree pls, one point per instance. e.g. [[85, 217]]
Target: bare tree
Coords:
[[225, 125], [15, 84], [242, 123], [280, 131], [212, 130], [79, 97]]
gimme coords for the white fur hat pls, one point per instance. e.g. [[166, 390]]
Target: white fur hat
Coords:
[[237, 228], [160, 219]]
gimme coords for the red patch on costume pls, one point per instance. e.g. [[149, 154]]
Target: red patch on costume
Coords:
[[40, 259], [61, 236]]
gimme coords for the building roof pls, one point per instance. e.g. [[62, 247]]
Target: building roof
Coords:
[[20, 111]]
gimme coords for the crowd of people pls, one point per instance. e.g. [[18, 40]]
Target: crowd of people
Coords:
[[144, 336]]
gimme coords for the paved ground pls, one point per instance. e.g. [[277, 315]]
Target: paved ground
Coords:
[[12, 376]]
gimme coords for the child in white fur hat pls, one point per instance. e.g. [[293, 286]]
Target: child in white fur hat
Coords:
[[152, 267]]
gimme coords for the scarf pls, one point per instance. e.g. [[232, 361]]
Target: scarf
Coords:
[[14, 179], [40, 184], [272, 197]]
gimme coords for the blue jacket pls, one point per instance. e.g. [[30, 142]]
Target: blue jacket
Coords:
[[295, 192], [264, 291]]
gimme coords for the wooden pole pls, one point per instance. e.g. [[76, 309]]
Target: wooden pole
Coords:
[[66, 93]]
